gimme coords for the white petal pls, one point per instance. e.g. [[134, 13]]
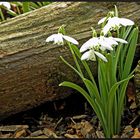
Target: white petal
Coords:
[[89, 44], [89, 55], [107, 48], [51, 38], [85, 46], [70, 39], [120, 40], [101, 20], [105, 44], [101, 56], [106, 28], [111, 41], [114, 21], [126, 22], [6, 4], [57, 38]]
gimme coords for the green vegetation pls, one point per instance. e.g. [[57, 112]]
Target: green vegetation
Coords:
[[12, 9]]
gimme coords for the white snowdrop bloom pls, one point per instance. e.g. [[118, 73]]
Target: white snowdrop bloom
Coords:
[[93, 42], [6, 4], [106, 43], [109, 42], [59, 39], [114, 22], [90, 55]]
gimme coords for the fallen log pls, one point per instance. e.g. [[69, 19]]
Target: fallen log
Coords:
[[30, 69]]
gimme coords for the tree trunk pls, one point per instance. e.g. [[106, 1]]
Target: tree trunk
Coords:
[[30, 69]]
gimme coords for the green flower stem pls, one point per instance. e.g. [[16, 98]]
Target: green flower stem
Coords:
[[1, 14], [75, 59]]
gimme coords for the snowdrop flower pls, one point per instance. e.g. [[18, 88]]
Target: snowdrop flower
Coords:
[[90, 55], [93, 42], [6, 4], [109, 42], [59, 39], [101, 42], [115, 22]]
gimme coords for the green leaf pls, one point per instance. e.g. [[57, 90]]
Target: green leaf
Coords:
[[89, 99], [130, 53], [11, 12], [1, 14], [92, 90], [26, 7], [111, 101]]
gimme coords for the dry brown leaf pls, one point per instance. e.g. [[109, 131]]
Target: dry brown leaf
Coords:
[[5, 135], [41, 136], [86, 128], [20, 133], [71, 136], [136, 133], [82, 128], [133, 105], [128, 129], [77, 126], [13, 128], [79, 117], [49, 133], [100, 134], [36, 133], [131, 92]]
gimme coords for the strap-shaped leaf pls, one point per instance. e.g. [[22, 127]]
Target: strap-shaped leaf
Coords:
[[130, 53], [92, 102], [112, 94]]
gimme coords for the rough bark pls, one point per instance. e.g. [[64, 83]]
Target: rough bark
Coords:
[[137, 83], [30, 69]]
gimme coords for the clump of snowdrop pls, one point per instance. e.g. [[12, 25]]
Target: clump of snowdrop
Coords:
[[114, 56], [102, 43]]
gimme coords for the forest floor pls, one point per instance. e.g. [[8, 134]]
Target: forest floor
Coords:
[[66, 118]]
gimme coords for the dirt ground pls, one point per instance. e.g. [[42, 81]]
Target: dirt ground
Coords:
[[66, 118]]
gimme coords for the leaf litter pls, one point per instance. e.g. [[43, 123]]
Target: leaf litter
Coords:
[[73, 120]]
